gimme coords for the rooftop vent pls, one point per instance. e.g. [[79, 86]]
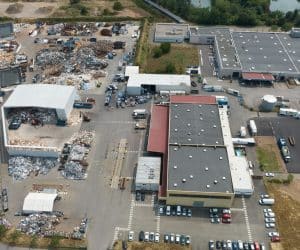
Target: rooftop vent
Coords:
[[183, 180], [175, 167], [284, 59], [206, 169], [214, 126], [217, 142], [175, 184], [224, 178], [213, 111], [188, 110], [200, 106], [189, 124], [202, 130], [190, 156], [215, 181], [204, 150], [175, 129], [189, 133], [175, 149], [176, 105], [220, 158], [201, 118], [207, 186], [176, 116], [191, 176], [189, 139], [199, 133]]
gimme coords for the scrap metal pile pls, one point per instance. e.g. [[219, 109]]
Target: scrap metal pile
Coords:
[[50, 57], [78, 29], [74, 156], [38, 224], [5, 223], [20, 167]]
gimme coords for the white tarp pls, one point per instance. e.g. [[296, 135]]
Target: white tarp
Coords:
[[39, 202]]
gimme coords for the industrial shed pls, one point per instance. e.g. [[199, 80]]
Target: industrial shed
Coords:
[[148, 173], [156, 83], [48, 96], [38, 202]]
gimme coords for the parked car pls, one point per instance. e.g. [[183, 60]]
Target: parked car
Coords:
[[182, 239], [270, 215], [270, 225], [256, 245], [226, 211], [130, 236], [146, 236], [187, 239], [215, 220], [161, 210], [173, 210], [137, 195], [262, 246], [15, 124], [151, 236], [4, 192], [214, 210], [271, 234], [168, 210], [172, 238], [226, 216], [218, 244], [269, 174], [189, 212], [229, 244], [266, 196], [141, 236], [183, 211], [251, 246], [143, 196], [235, 245], [178, 210], [211, 245], [156, 237], [270, 220], [226, 220], [240, 245], [223, 244], [166, 238], [246, 246], [177, 238], [275, 239], [268, 210]]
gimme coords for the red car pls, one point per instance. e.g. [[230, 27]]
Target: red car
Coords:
[[256, 245], [275, 239], [226, 220], [226, 216]]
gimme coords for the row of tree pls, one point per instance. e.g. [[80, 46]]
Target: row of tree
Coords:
[[233, 12]]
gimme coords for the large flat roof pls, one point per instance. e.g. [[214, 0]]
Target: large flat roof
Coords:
[[39, 202], [195, 124], [40, 95], [262, 52], [199, 166]]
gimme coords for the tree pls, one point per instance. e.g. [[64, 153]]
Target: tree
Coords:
[[170, 68], [72, 2], [84, 11], [118, 6], [246, 18], [157, 52], [165, 48]]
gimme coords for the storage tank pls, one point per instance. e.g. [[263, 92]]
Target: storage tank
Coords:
[[268, 103]]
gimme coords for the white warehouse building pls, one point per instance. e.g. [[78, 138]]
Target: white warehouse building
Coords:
[[148, 174], [156, 83]]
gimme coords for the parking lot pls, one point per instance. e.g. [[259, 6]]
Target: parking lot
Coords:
[[282, 127]]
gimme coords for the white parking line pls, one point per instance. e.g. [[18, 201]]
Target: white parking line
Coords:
[[131, 212], [152, 199], [158, 223], [143, 205], [247, 220]]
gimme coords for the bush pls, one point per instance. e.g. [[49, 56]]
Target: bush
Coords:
[[54, 242], [165, 48], [170, 68], [118, 6], [2, 231], [157, 52]]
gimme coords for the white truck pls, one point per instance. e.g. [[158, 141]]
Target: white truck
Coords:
[[253, 128], [243, 132], [266, 201]]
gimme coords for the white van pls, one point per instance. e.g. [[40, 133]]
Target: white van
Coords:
[[266, 201], [178, 210], [139, 113], [168, 211]]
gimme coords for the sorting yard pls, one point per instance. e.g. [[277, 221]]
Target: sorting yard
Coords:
[[287, 207]]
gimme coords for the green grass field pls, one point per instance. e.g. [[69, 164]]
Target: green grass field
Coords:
[[267, 159]]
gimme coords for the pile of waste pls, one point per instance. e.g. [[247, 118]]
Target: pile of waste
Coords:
[[20, 167]]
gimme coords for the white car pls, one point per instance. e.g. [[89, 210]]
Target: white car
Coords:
[[156, 237], [264, 196], [229, 244], [172, 238], [146, 236], [270, 215], [271, 234], [187, 239], [269, 174], [226, 211], [270, 225], [270, 220], [130, 235], [177, 238], [268, 210], [240, 245]]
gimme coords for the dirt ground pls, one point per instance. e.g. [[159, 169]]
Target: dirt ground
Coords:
[[269, 143], [287, 210], [48, 8]]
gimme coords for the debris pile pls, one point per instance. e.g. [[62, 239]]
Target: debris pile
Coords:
[[78, 29], [5, 223], [49, 57], [74, 156], [20, 167], [38, 224], [79, 232]]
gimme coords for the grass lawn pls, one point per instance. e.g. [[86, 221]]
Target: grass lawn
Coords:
[[267, 159], [180, 56], [150, 246], [287, 210]]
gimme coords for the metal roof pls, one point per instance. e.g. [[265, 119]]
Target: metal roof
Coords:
[[258, 76], [40, 95], [148, 170], [137, 80], [131, 70], [39, 202], [171, 29], [158, 129], [197, 99]]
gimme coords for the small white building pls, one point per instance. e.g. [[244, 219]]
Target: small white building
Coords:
[[39, 202], [148, 173], [158, 83]]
